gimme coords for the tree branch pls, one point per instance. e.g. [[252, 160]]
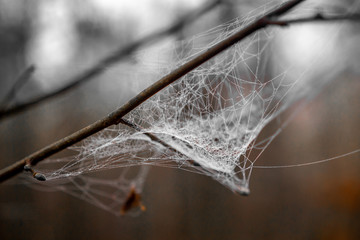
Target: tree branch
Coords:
[[318, 17], [115, 117], [19, 82], [110, 60]]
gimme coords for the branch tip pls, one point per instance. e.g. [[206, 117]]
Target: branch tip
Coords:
[[39, 177], [36, 175]]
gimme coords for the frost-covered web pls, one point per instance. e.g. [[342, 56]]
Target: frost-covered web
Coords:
[[206, 122]]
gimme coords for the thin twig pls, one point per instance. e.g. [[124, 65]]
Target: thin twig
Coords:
[[158, 140], [115, 117], [19, 83], [110, 60], [318, 17]]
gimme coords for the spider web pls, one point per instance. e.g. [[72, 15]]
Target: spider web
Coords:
[[207, 122]]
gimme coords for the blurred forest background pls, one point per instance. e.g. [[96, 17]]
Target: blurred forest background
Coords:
[[63, 37]]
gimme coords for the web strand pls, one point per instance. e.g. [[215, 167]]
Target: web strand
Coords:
[[309, 163]]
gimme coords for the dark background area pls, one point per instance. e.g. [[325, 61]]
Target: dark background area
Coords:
[[319, 201]]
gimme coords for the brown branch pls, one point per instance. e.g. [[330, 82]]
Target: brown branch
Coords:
[[110, 60], [115, 117]]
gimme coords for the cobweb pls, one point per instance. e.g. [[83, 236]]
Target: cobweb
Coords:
[[207, 122]]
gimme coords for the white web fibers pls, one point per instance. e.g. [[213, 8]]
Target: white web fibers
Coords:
[[206, 122]]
